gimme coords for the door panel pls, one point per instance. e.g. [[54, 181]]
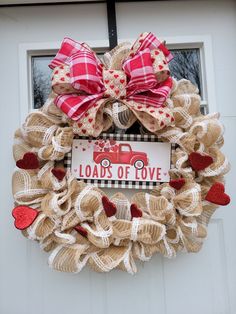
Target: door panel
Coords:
[[192, 283]]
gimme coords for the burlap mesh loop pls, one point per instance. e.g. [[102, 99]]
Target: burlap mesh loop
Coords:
[[139, 229], [26, 187], [188, 200], [59, 203], [53, 112], [113, 257], [59, 145], [208, 130], [48, 179], [38, 129], [157, 207], [20, 147], [41, 228]]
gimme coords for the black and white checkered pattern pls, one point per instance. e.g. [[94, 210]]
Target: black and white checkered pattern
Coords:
[[140, 185]]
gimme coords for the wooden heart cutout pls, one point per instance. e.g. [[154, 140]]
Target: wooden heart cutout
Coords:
[[109, 207], [135, 211], [24, 216], [59, 173], [217, 194], [177, 183], [29, 161], [199, 162]]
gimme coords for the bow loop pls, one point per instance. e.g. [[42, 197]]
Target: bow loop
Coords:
[[86, 72], [67, 49], [140, 72], [74, 105], [150, 41]]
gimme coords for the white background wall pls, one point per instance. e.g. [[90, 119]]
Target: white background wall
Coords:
[[203, 283]]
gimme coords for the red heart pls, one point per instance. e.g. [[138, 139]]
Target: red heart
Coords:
[[111, 71], [79, 125], [112, 142], [151, 111], [106, 81], [83, 131], [29, 161], [156, 52], [109, 207], [167, 115], [106, 149], [162, 123], [117, 91], [161, 112], [68, 74], [112, 86], [116, 75], [86, 114], [101, 145], [81, 230], [24, 216], [153, 60], [90, 120], [59, 173], [177, 183], [160, 67], [217, 194], [122, 81], [199, 161], [62, 79], [135, 211], [56, 72]]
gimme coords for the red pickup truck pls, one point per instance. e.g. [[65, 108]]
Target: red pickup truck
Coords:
[[123, 155]]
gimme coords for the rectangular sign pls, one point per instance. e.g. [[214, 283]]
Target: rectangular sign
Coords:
[[125, 161]]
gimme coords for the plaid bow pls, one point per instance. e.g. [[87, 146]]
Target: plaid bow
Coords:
[[80, 79]]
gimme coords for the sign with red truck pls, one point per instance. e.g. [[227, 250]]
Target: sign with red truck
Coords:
[[122, 154], [128, 161]]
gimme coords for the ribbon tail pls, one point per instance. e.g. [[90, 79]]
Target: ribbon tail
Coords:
[[75, 106]]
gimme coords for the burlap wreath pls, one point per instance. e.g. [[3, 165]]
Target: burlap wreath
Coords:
[[78, 223]]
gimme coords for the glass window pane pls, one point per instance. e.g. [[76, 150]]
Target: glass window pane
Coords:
[[186, 64], [41, 75]]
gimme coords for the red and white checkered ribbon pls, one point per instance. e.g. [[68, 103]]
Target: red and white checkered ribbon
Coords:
[[86, 75]]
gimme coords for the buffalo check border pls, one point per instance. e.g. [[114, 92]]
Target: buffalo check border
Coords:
[[139, 185]]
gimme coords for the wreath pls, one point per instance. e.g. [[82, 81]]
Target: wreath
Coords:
[[77, 222]]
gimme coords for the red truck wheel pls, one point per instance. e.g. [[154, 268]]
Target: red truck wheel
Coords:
[[105, 163], [139, 164]]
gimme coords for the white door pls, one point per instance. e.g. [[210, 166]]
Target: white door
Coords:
[[192, 283]]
